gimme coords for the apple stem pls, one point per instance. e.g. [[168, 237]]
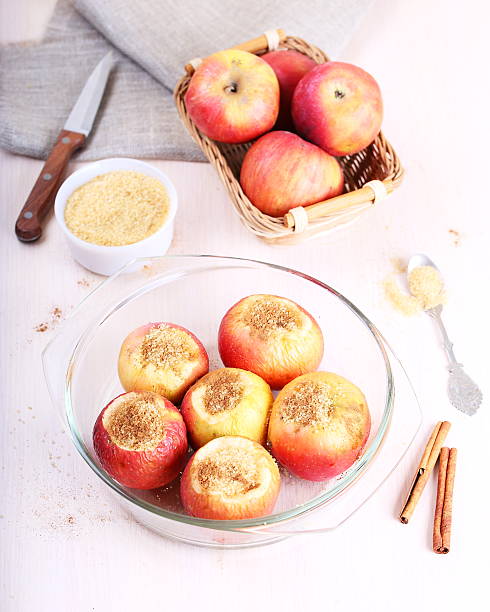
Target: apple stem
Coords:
[[232, 88]]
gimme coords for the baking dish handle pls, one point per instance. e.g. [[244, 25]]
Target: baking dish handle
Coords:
[[60, 353], [56, 362]]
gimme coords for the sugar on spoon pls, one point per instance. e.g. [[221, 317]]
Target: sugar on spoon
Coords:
[[464, 394]]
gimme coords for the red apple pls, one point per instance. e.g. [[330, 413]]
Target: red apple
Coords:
[[338, 106], [271, 336], [281, 171], [228, 401], [162, 357], [230, 478], [319, 425], [140, 440], [290, 66], [233, 96]]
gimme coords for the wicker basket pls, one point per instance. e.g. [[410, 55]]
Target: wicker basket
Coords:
[[369, 175]]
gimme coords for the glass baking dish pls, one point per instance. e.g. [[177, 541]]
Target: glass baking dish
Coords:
[[80, 365]]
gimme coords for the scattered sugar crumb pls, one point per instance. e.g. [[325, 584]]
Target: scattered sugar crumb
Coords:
[[70, 509], [456, 236], [84, 282], [56, 315], [149, 270], [403, 302], [399, 265]]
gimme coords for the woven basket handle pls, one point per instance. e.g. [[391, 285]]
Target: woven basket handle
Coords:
[[264, 42], [369, 194]]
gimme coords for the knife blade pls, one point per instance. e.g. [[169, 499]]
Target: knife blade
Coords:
[[28, 227]]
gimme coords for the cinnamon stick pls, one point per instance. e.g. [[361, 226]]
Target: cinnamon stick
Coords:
[[441, 539], [441, 486], [425, 467]]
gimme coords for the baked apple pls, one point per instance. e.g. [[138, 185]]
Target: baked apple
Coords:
[[319, 425], [230, 478], [272, 337], [140, 440], [162, 357], [227, 402]]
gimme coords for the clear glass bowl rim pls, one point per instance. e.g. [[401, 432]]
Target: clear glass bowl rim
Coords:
[[246, 524]]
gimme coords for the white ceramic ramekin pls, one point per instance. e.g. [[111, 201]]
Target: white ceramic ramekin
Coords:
[[108, 259]]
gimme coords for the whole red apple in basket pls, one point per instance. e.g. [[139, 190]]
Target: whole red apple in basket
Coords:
[[281, 171], [290, 67], [233, 96], [338, 106]]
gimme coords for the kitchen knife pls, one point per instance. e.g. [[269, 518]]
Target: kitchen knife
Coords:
[[77, 127]]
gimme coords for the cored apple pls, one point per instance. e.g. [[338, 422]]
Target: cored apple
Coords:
[[271, 336], [227, 402], [140, 440], [233, 96], [230, 478], [338, 106], [162, 357], [319, 425], [290, 66], [281, 171]]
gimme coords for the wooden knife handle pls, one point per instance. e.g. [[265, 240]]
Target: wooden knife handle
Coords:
[[28, 227]]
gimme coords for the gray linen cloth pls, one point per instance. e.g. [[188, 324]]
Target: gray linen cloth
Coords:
[[154, 39]]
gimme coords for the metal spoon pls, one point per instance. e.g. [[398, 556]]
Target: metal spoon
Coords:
[[464, 394]]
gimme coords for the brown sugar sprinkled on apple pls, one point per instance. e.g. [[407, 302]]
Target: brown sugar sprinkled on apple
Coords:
[[223, 393], [228, 401], [271, 336], [266, 315], [230, 472], [140, 440], [165, 346], [136, 424], [319, 425], [309, 403], [161, 357], [230, 478]]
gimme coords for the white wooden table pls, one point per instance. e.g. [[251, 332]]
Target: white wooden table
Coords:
[[66, 546]]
